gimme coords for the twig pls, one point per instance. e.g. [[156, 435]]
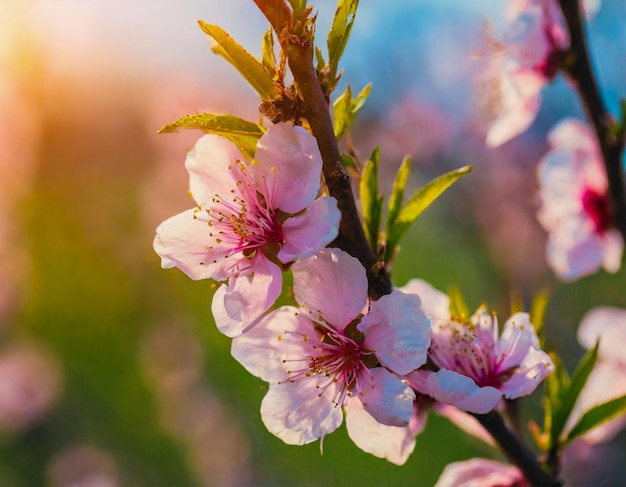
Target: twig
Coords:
[[297, 42], [516, 451], [611, 141]]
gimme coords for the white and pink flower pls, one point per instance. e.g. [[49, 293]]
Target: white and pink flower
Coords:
[[339, 351], [575, 207], [607, 381], [480, 472], [477, 364], [249, 220], [528, 59]]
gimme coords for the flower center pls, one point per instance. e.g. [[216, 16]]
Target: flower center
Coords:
[[244, 220], [597, 206], [337, 357]]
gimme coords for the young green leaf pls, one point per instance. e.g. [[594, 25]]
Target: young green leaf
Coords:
[[566, 399], [269, 59], [418, 203], [371, 204], [298, 7], [458, 306], [596, 416], [339, 34], [243, 133], [250, 67], [345, 109], [397, 191]]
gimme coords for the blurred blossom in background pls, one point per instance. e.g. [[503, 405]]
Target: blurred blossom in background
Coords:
[[111, 371]]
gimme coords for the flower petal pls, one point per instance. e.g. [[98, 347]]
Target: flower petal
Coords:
[[289, 167], [270, 348], [479, 472], [307, 233], [387, 398], [398, 330], [434, 302], [394, 443], [574, 249], [297, 413], [247, 296], [531, 371], [520, 101], [333, 283], [608, 324], [183, 241], [458, 390], [212, 168]]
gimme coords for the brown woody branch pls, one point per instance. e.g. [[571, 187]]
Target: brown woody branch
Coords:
[[296, 40], [610, 137]]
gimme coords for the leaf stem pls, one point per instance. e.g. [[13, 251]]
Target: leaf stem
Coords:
[[297, 43]]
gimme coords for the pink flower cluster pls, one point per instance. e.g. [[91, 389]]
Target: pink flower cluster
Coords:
[[592, 459], [337, 352], [250, 219]]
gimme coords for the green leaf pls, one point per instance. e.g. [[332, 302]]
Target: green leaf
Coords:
[[319, 58], [567, 396], [341, 112], [371, 204], [458, 306], [538, 311], [345, 109], [269, 59], [250, 67], [339, 34], [243, 133], [419, 202], [598, 415], [397, 191]]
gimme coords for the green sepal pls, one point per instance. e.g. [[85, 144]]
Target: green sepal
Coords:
[[345, 109], [596, 416], [371, 203], [418, 203], [250, 67], [565, 398], [458, 306], [339, 34], [244, 134]]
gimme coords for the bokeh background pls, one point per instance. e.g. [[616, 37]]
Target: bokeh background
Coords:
[[111, 370]]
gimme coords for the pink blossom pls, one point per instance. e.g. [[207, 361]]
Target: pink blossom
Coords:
[[529, 59], [477, 364], [575, 208], [249, 219], [338, 350], [608, 378], [480, 472]]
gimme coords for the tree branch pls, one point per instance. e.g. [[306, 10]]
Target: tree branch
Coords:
[[611, 143], [297, 43], [516, 451]]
